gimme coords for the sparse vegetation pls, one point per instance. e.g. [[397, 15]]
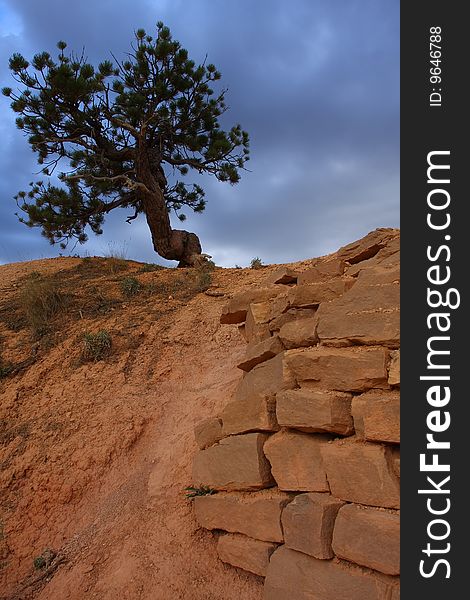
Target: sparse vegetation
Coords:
[[116, 250], [86, 263], [130, 286], [150, 267], [100, 303], [203, 490], [40, 300], [203, 281], [96, 346], [44, 560], [116, 258], [203, 277], [184, 284], [116, 265], [208, 265], [256, 263], [238, 267], [39, 562], [168, 288]]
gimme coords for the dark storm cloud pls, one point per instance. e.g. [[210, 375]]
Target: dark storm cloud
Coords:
[[314, 82]]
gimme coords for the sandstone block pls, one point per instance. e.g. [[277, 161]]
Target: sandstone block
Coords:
[[394, 369], [258, 352], [308, 523], [256, 413], [390, 251], [278, 305], [343, 369], [368, 537], [297, 576], [311, 295], [235, 463], [256, 514], [264, 380], [377, 416], [299, 333], [296, 461], [245, 553], [336, 328], [235, 310], [368, 246], [362, 473], [368, 313], [354, 270], [381, 274], [315, 411], [208, 432], [323, 270], [388, 256], [290, 315], [242, 330], [284, 276], [391, 257], [257, 319], [258, 333]]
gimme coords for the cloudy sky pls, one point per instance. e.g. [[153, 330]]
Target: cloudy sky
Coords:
[[314, 82]]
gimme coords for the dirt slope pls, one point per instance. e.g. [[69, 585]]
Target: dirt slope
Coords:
[[95, 456]]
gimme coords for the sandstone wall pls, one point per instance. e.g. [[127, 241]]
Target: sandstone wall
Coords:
[[305, 456]]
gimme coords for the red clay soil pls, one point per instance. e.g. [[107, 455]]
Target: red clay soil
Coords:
[[95, 456]]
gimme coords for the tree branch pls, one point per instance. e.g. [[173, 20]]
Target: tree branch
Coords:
[[129, 183]]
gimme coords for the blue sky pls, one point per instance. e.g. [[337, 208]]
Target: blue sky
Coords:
[[315, 83]]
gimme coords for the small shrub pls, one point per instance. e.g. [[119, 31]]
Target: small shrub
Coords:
[[202, 278], [40, 300], [117, 265], [96, 345], [238, 267], [203, 490], [44, 560], [203, 281], [117, 258], [256, 263], [39, 562], [208, 265], [130, 286]]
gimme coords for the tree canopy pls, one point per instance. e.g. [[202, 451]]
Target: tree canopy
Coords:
[[126, 134]]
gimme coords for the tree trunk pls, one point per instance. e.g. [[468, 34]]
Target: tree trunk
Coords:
[[172, 244]]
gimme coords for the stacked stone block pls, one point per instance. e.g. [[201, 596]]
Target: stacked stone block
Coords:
[[305, 455]]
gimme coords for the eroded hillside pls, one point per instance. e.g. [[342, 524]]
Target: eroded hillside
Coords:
[[97, 441], [96, 454]]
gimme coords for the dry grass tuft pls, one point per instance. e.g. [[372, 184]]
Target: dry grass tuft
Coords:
[[40, 300], [96, 346]]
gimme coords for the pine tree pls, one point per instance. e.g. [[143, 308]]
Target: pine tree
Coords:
[[120, 129]]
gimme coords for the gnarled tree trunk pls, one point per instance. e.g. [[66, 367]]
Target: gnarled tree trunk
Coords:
[[172, 244]]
